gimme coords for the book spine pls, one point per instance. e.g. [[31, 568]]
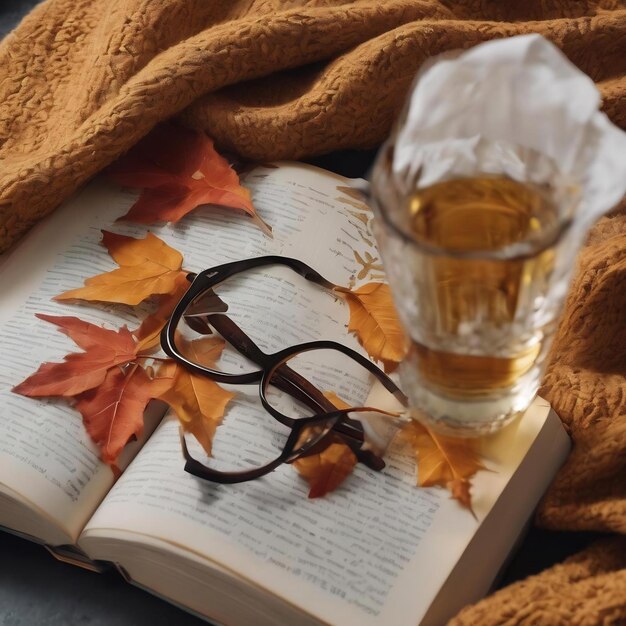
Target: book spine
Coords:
[[65, 553], [75, 556]]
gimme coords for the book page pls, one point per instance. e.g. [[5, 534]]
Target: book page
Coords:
[[349, 546], [46, 457], [314, 217], [377, 550], [316, 221], [47, 460]]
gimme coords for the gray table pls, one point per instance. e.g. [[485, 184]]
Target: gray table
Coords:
[[37, 590]]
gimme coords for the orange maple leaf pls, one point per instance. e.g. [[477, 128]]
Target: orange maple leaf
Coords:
[[374, 321], [83, 370], [442, 460], [326, 470], [147, 267], [460, 490], [113, 411], [148, 334], [179, 170], [198, 402]]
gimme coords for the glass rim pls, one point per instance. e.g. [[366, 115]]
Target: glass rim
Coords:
[[512, 251]]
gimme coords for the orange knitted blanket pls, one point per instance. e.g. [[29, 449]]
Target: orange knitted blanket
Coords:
[[81, 81]]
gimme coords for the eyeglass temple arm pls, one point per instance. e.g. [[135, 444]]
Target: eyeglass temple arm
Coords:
[[222, 272], [298, 387]]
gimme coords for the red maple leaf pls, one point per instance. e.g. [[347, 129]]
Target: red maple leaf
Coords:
[[83, 370], [179, 170], [113, 411], [110, 387]]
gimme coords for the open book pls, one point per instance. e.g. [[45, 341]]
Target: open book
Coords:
[[378, 550]]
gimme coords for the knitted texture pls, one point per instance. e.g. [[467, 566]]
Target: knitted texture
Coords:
[[81, 81], [585, 590], [586, 384]]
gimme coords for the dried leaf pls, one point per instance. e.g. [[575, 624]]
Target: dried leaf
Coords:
[[460, 490], [148, 335], [442, 460], [179, 170], [83, 334], [198, 402], [326, 470], [113, 411], [338, 402], [83, 370], [205, 350], [147, 267], [374, 320], [354, 193]]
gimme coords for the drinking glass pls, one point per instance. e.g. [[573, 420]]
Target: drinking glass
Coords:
[[479, 267]]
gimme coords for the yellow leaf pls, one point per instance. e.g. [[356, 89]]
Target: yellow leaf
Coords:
[[198, 402], [374, 320], [442, 460], [147, 267], [205, 351], [327, 469], [331, 396], [353, 193]]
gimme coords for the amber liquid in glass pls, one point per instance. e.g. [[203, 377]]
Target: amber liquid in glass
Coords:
[[478, 300]]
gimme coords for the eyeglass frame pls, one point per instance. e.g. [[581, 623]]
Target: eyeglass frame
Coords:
[[335, 420]]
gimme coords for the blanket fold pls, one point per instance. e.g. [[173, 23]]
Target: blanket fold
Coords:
[[587, 588], [81, 81]]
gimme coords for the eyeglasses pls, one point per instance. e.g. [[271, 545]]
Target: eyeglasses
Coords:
[[296, 418]]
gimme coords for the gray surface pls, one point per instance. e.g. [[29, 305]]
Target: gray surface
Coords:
[[37, 590], [11, 12]]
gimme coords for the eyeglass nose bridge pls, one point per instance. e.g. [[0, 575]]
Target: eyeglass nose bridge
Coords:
[[349, 435]]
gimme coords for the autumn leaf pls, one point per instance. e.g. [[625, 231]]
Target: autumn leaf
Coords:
[[179, 170], [147, 267], [374, 321], [198, 402], [148, 335], [204, 351], [460, 490], [113, 411], [338, 402], [110, 388], [326, 470], [83, 370], [354, 193], [442, 460]]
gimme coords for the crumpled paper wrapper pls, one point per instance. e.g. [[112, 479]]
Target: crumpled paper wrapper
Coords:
[[514, 107]]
